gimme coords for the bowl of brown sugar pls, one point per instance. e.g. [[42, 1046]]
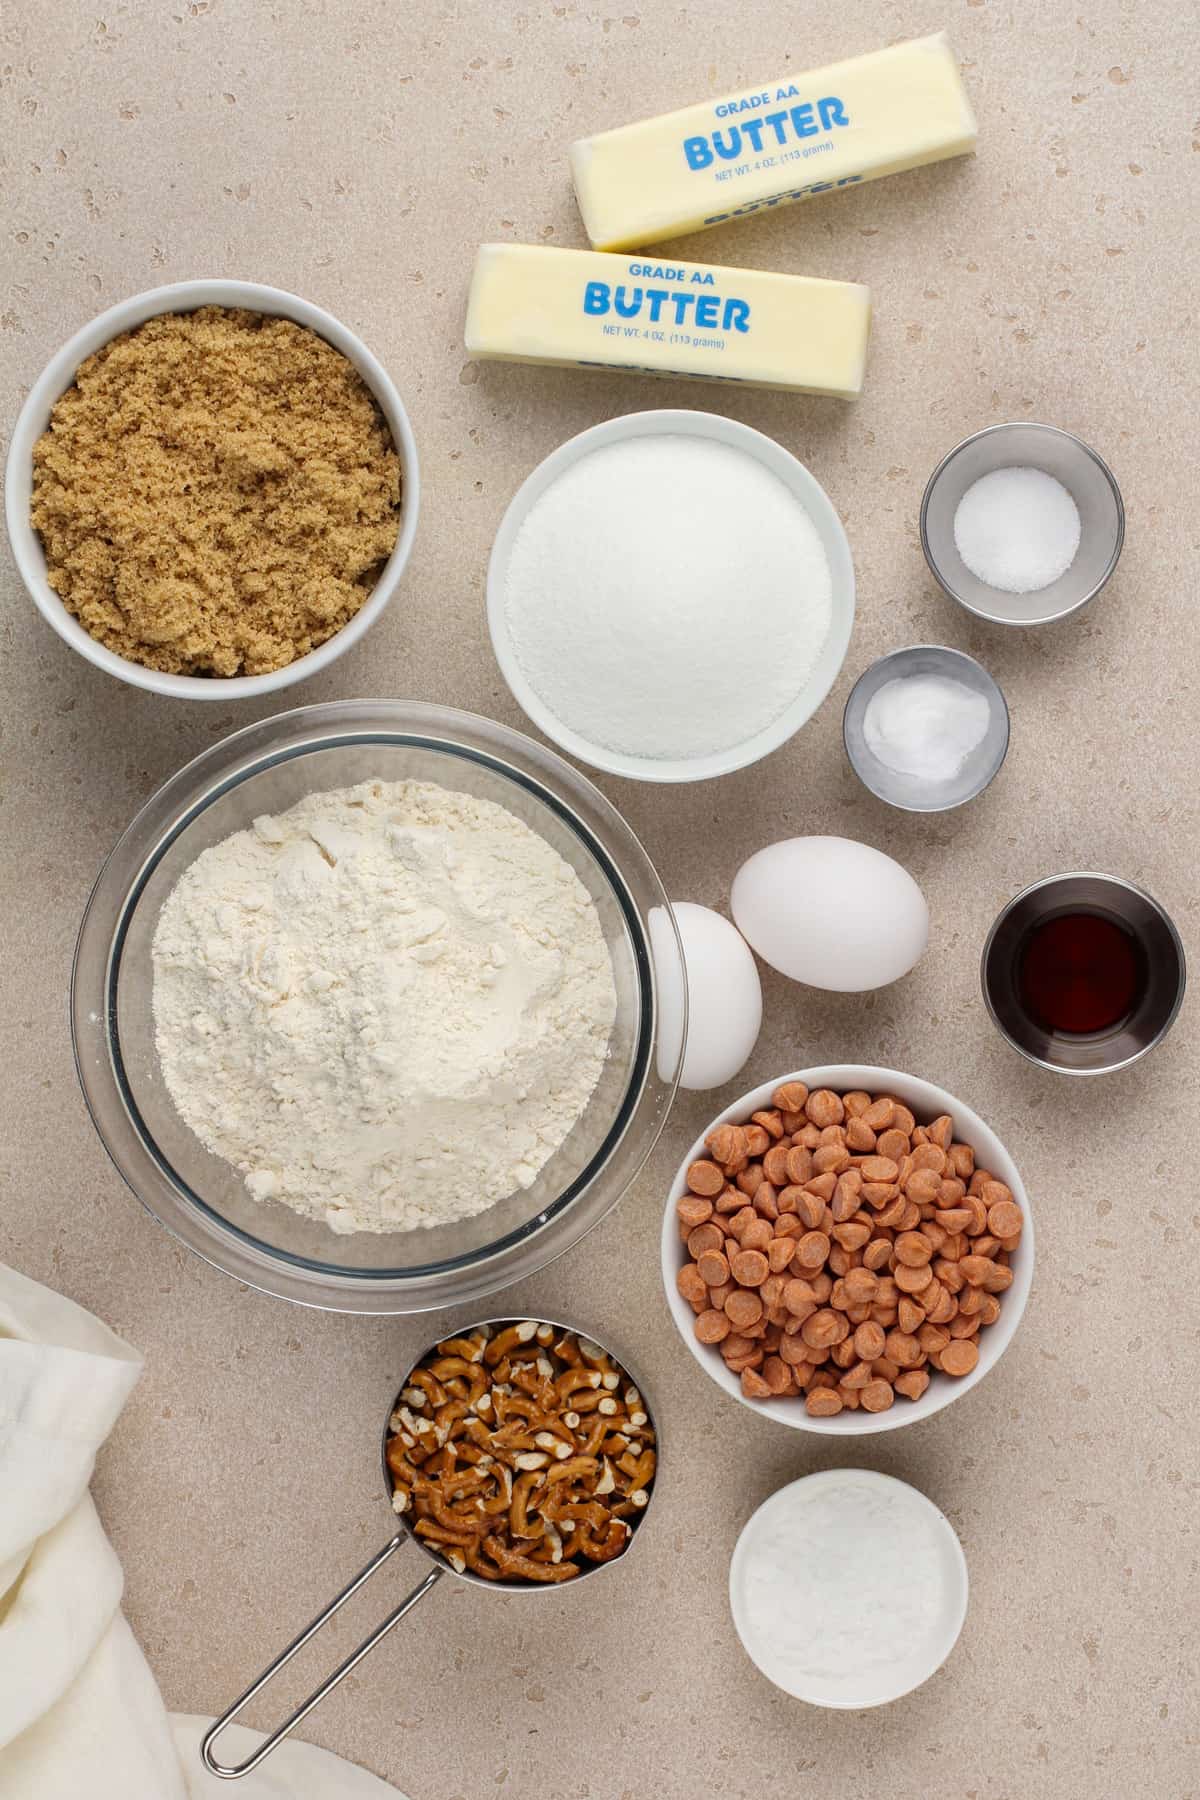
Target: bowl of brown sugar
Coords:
[[212, 490]]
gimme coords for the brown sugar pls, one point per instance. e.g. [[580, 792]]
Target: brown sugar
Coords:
[[217, 493]]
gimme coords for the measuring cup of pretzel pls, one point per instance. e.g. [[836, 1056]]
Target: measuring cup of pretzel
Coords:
[[520, 1455]]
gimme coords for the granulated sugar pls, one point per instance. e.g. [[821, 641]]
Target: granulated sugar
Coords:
[[1017, 530], [668, 597]]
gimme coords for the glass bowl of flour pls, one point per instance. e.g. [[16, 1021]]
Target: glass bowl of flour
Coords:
[[365, 1009]]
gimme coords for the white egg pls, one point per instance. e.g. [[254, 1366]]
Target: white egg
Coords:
[[832, 913], [723, 994]]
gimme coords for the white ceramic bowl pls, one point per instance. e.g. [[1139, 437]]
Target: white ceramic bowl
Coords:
[[794, 476], [915, 1661], [927, 1102], [59, 375]]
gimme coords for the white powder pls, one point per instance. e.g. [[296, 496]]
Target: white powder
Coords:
[[1017, 530], [386, 1007], [846, 1589], [925, 725], [667, 597]]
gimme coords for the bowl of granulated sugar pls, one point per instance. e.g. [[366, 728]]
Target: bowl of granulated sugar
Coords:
[[670, 596]]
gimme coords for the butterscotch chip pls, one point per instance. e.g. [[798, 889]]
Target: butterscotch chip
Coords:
[[749, 1267], [910, 1316], [705, 1178], [912, 1383], [960, 1356], [704, 1237], [799, 1298], [912, 1281], [823, 1403], [691, 1284], [857, 1375], [725, 1143], [216, 494], [777, 1375], [779, 1254], [903, 1349], [812, 1250], [775, 1165], [743, 1309], [1004, 1218], [913, 1249], [928, 1156], [799, 1165], [713, 1268], [953, 1219], [824, 1329], [824, 1108], [712, 1326], [877, 1396], [859, 1136]]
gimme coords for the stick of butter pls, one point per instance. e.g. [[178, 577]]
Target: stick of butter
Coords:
[[578, 308], [873, 115]]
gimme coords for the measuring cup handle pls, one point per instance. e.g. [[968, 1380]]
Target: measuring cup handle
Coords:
[[231, 1772]]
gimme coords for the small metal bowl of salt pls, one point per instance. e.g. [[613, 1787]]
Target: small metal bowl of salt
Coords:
[[1022, 523], [926, 728]]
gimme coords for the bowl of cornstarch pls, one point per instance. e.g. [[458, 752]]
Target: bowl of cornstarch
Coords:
[[670, 596], [365, 1007], [848, 1588]]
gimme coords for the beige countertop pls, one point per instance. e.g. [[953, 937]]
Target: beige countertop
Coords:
[[357, 154]]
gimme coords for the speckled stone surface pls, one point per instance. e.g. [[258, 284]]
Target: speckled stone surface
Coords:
[[357, 154]]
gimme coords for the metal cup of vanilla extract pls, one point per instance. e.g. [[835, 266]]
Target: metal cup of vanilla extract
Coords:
[[1083, 973]]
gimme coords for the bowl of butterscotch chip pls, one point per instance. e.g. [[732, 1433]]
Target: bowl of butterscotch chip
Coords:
[[212, 490], [847, 1249]]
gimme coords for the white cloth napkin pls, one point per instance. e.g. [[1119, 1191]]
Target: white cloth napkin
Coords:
[[80, 1715]]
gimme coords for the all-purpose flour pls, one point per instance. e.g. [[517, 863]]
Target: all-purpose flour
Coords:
[[386, 1007]]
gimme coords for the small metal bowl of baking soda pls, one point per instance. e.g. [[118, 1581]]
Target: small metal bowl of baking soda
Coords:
[[926, 728]]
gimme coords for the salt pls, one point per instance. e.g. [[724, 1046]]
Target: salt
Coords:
[[926, 726], [1017, 530], [667, 597]]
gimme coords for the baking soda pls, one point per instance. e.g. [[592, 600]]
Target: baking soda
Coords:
[[668, 597], [1017, 530], [926, 726]]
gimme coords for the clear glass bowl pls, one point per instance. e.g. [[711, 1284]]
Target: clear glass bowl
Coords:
[[201, 1198]]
